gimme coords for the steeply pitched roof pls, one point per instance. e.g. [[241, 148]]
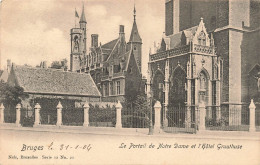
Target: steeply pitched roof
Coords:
[[135, 37], [176, 39], [83, 18], [51, 81], [4, 75], [110, 44]]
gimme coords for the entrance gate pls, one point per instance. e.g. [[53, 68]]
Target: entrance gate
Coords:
[[180, 120]]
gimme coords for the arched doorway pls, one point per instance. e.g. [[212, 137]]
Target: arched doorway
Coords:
[[177, 95], [158, 86], [158, 90]]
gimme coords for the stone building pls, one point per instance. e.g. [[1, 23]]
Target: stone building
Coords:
[[114, 66], [215, 61], [53, 84]]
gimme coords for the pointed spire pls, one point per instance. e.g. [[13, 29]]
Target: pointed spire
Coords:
[[83, 18], [135, 37], [134, 12]]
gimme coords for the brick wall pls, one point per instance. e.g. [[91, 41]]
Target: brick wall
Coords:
[[235, 40], [169, 18], [222, 49], [250, 57], [254, 13], [239, 11]]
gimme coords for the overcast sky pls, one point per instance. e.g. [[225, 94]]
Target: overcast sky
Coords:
[[37, 30]]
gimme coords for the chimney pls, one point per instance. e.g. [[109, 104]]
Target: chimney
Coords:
[[43, 64], [94, 40], [122, 32], [8, 66]]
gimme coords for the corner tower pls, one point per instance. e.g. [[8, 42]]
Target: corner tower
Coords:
[[78, 43], [135, 43]]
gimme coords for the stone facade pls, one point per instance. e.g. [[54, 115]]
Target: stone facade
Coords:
[[231, 23], [228, 61], [114, 66], [188, 73], [78, 43]]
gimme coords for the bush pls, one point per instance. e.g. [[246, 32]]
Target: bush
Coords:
[[27, 121], [102, 114]]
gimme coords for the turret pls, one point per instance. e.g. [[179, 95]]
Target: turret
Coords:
[[135, 42], [83, 25]]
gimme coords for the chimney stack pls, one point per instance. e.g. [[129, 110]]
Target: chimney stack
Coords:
[[122, 32], [8, 66], [94, 40]]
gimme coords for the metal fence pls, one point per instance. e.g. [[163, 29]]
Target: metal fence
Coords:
[[102, 116], [73, 116], [180, 120], [10, 114], [132, 118], [27, 117], [232, 117]]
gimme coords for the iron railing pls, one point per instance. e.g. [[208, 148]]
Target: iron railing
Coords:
[[132, 118], [232, 117], [181, 120]]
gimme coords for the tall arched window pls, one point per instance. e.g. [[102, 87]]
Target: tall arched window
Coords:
[[177, 95], [158, 85], [203, 80]]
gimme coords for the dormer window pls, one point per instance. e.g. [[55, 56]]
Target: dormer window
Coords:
[[135, 48], [202, 38]]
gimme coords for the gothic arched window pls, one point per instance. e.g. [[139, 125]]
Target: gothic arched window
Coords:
[[158, 82], [203, 80], [202, 38], [76, 43], [177, 93]]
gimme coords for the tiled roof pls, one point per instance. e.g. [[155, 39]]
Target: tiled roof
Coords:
[[175, 39], [51, 81], [4, 75], [135, 37], [110, 45]]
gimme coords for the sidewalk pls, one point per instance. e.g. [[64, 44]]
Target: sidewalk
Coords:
[[230, 135]]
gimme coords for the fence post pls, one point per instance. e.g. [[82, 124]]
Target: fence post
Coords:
[[157, 117], [18, 115], [252, 116], [118, 115], [86, 114], [202, 113], [59, 114], [37, 109], [2, 113]]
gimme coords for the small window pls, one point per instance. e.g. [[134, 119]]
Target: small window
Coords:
[[161, 86], [135, 47], [130, 70], [118, 87]]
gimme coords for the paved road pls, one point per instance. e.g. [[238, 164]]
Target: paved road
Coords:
[[30, 147]]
